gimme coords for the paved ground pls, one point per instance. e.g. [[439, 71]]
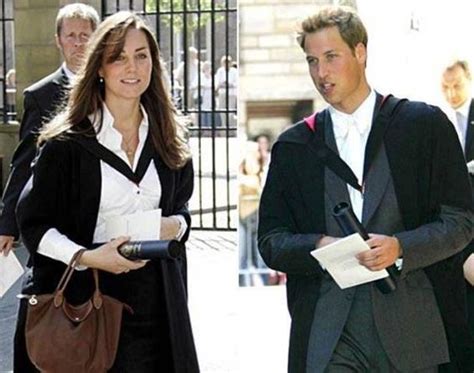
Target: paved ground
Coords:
[[238, 330]]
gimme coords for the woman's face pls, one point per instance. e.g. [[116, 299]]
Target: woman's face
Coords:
[[129, 75]]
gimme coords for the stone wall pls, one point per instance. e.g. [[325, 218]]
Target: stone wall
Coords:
[[274, 79], [35, 47], [8, 142]]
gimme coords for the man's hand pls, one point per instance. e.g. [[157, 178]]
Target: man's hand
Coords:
[[384, 251], [326, 240], [469, 269], [470, 167], [6, 244]]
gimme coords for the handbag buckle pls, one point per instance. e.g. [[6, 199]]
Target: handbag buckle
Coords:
[[33, 301]]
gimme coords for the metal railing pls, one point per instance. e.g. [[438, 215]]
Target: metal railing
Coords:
[[7, 62], [252, 269]]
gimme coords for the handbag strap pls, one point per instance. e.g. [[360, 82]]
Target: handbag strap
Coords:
[[59, 292], [69, 270]]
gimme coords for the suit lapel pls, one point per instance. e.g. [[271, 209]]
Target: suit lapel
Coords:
[[376, 133], [376, 184]]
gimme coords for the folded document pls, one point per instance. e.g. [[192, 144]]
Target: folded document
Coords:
[[339, 259], [10, 271]]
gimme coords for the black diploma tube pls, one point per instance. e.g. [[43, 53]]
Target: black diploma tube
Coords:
[[349, 224], [155, 249]]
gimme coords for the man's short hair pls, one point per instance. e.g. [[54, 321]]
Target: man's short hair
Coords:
[[346, 20], [77, 11], [463, 64]]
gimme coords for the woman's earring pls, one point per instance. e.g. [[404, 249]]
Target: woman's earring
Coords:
[[101, 80]]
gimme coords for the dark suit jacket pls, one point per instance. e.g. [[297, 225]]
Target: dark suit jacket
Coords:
[[65, 194], [293, 216], [469, 145], [469, 154], [40, 102]]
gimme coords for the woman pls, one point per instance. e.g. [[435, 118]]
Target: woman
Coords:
[[116, 149]]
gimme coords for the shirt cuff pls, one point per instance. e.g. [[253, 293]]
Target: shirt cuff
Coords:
[[57, 246], [183, 226]]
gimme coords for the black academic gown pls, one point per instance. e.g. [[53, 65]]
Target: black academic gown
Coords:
[[426, 174], [65, 194]]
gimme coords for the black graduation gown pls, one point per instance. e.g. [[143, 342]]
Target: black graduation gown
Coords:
[[65, 194], [427, 170]]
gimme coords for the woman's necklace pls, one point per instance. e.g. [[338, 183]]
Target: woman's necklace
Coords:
[[129, 146]]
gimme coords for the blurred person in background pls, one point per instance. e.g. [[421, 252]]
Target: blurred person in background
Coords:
[[226, 80], [250, 186], [202, 88], [190, 67], [10, 85]]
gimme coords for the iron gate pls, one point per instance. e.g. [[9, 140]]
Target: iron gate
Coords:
[[198, 42], [7, 63]]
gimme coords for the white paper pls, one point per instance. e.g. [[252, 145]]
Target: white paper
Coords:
[[140, 226], [10, 271], [339, 260]]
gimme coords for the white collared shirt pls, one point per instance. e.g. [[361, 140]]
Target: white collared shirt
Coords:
[[351, 132], [70, 75], [119, 195], [459, 117]]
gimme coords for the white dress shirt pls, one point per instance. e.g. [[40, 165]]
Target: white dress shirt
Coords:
[[70, 75], [119, 195], [459, 120], [351, 132], [221, 79]]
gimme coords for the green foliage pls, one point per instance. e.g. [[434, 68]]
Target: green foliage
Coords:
[[191, 5]]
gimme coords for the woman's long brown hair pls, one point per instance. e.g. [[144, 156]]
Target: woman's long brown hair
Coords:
[[87, 95]]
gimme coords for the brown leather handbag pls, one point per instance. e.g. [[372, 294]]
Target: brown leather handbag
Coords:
[[64, 338]]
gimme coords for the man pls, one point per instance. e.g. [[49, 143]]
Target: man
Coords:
[[74, 25], [191, 67], [408, 186], [226, 79], [456, 87]]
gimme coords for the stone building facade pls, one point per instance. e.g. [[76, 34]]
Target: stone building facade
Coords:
[[275, 88]]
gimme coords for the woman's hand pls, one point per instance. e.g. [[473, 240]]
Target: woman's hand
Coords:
[[169, 228], [107, 258]]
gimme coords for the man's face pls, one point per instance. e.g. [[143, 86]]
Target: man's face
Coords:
[[72, 41], [456, 86], [337, 72]]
